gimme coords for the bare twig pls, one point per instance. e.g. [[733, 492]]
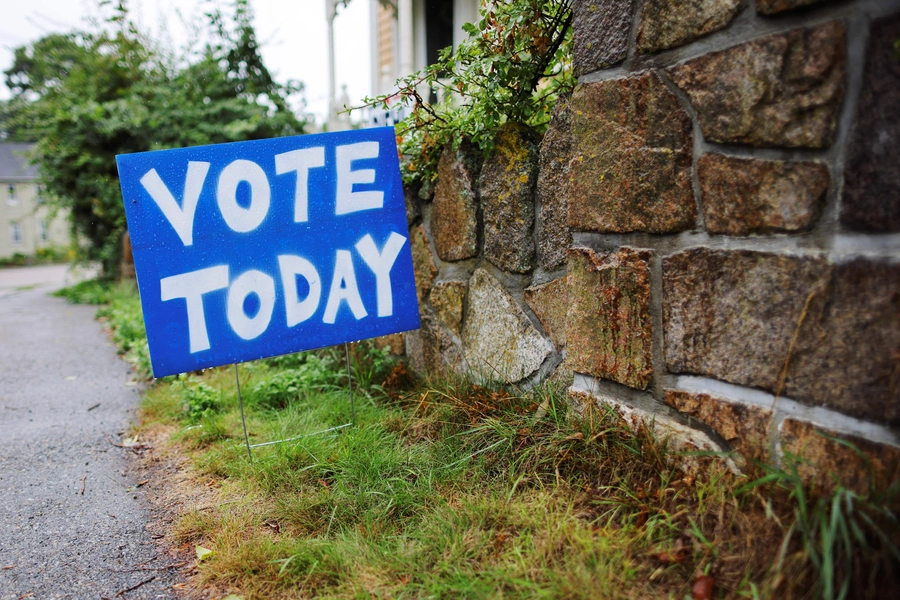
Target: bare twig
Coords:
[[562, 21], [787, 359], [140, 568], [117, 482], [134, 587], [109, 439], [136, 448]]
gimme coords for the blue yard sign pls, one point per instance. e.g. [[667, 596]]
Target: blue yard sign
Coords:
[[267, 247]]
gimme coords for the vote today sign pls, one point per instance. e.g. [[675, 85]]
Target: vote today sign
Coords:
[[266, 247]]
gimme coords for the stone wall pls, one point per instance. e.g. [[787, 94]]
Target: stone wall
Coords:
[[707, 237]]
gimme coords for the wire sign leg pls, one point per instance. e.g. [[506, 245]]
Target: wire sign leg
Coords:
[[243, 418], [350, 384], [330, 429]]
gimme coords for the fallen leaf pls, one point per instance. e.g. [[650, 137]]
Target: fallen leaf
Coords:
[[702, 588], [273, 524], [668, 558], [203, 553], [233, 597], [678, 555], [642, 518]]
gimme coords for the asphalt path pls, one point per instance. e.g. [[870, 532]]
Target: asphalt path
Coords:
[[72, 522]]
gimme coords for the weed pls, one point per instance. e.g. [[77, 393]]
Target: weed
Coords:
[[310, 372], [845, 544], [200, 401]]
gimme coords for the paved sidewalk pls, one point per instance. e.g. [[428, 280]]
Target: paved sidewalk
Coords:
[[18, 278], [71, 524]]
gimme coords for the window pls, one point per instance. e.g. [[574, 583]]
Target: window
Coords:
[[11, 197], [15, 232], [42, 229]]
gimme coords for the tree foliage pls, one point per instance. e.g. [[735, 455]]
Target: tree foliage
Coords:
[[87, 96], [512, 67]]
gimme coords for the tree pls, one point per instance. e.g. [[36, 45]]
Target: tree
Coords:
[[87, 96]]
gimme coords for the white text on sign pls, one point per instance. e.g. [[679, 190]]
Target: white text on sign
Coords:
[[192, 286]]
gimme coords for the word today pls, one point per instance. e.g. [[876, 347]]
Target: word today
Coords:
[[267, 247]]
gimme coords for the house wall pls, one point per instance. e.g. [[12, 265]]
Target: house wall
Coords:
[[24, 211], [385, 49], [386, 40], [707, 238]]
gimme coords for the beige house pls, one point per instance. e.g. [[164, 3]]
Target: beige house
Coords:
[[406, 36], [26, 223]]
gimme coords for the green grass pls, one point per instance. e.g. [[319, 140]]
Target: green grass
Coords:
[[425, 497], [456, 490], [91, 291], [447, 489]]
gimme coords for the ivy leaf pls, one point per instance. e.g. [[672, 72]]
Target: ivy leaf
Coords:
[[203, 553]]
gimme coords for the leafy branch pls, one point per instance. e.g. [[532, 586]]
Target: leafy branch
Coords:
[[512, 67]]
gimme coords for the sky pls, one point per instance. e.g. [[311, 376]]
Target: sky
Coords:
[[293, 35]]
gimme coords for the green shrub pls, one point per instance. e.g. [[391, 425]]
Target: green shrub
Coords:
[[201, 401], [53, 253], [92, 291], [138, 356], [16, 260], [285, 361], [314, 373], [370, 366]]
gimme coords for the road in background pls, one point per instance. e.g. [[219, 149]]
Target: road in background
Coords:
[[72, 524]]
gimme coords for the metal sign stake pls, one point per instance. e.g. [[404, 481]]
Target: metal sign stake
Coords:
[[237, 380], [350, 383], [290, 439]]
